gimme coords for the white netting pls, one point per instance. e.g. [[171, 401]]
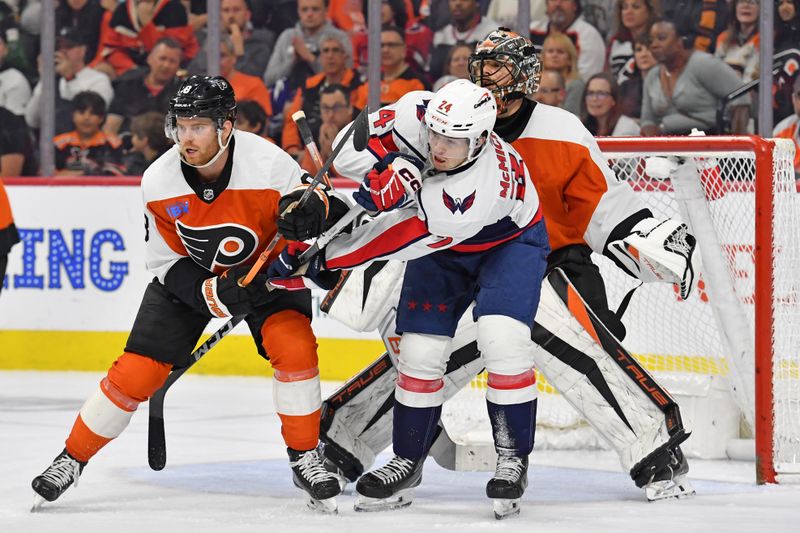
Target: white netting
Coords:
[[702, 350]]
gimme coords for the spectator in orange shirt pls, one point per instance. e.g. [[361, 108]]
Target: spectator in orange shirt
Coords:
[[336, 111], [245, 86], [87, 151], [397, 76], [333, 57], [132, 30]]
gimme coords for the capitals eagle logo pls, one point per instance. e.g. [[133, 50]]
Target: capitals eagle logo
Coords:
[[458, 204]]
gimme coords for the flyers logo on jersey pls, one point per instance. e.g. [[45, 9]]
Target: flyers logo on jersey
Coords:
[[458, 204], [217, 247]]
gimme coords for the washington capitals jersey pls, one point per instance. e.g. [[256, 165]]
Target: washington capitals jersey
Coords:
[[474, 208], [582, 200], [221, 224]]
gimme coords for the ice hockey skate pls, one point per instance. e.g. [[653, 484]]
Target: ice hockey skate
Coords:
[[671, 481], [310, 476], [507, 486], [57, 478], [390, 486]]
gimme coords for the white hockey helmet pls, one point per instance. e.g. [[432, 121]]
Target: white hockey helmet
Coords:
[[460, 110]]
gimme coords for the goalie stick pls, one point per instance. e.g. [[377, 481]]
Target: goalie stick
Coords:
[[156, 437]]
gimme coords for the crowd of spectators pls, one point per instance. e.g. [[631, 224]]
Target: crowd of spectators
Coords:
[[625, 67]]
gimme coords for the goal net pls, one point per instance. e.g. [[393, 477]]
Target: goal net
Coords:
[[729, 354]]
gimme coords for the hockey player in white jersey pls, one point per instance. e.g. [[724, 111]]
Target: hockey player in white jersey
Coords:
[[587, 210], [471, 229]]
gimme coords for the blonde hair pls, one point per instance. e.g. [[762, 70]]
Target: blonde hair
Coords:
[[562, 40]]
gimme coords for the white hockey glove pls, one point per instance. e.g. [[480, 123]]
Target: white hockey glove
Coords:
[[658, 251]]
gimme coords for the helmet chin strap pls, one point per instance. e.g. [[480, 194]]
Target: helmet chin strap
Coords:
[[213, 160]]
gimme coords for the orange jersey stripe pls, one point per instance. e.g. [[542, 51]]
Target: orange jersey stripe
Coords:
[[254, 209]]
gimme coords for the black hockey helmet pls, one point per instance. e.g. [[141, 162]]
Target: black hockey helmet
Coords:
[[204, 96], [513, 52]]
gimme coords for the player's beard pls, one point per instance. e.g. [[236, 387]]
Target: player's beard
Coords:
[[199, 155]]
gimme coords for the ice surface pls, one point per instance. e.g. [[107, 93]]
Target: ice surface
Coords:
[[227, 472]]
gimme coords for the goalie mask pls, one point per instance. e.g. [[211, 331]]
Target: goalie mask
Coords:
[[202, 97], [458, 121], [506, 63]]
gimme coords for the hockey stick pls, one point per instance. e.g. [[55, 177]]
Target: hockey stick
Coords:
[[359, 126], [156, 437], [308, 139]]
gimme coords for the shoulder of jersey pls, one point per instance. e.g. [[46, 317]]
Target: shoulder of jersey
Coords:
[[553, 123], [412, 104], [260, 164], [410, 113]]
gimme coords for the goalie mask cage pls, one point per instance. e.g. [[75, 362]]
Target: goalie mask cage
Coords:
[[729, 354]]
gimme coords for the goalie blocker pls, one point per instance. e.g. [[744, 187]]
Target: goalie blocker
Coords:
[[573, 351]]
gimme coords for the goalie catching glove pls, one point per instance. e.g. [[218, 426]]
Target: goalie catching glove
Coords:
[[286, 272], [390, 183], [224, 297], [658, 251]]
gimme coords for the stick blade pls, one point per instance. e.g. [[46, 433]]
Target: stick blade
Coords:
[[156, 444], [361, 132]]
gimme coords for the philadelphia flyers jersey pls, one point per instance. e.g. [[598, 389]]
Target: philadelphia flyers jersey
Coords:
[[582, 200], [483, 204], [8, 231], [218, 225]]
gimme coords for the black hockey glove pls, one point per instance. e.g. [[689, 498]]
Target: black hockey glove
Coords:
[[223, 297], [306, 221]]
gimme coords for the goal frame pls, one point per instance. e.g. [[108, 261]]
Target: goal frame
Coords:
[[763, 150]]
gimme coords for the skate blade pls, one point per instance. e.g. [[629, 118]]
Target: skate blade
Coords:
[[38, 501], [365, 504], [505, 508], [326, 506], [678, 488]]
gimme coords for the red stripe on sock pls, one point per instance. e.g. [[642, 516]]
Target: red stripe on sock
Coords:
[[517, 381], [412, 384]]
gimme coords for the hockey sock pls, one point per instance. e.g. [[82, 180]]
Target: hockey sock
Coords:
[[513, 427], [292, 348], [131, 380], [413, 430]]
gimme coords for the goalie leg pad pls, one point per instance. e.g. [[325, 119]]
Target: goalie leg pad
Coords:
[[357, 419], [365, 296], [658, 251], [572, 360]]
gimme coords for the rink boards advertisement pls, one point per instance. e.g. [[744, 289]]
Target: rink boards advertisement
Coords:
[[74, 282]]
